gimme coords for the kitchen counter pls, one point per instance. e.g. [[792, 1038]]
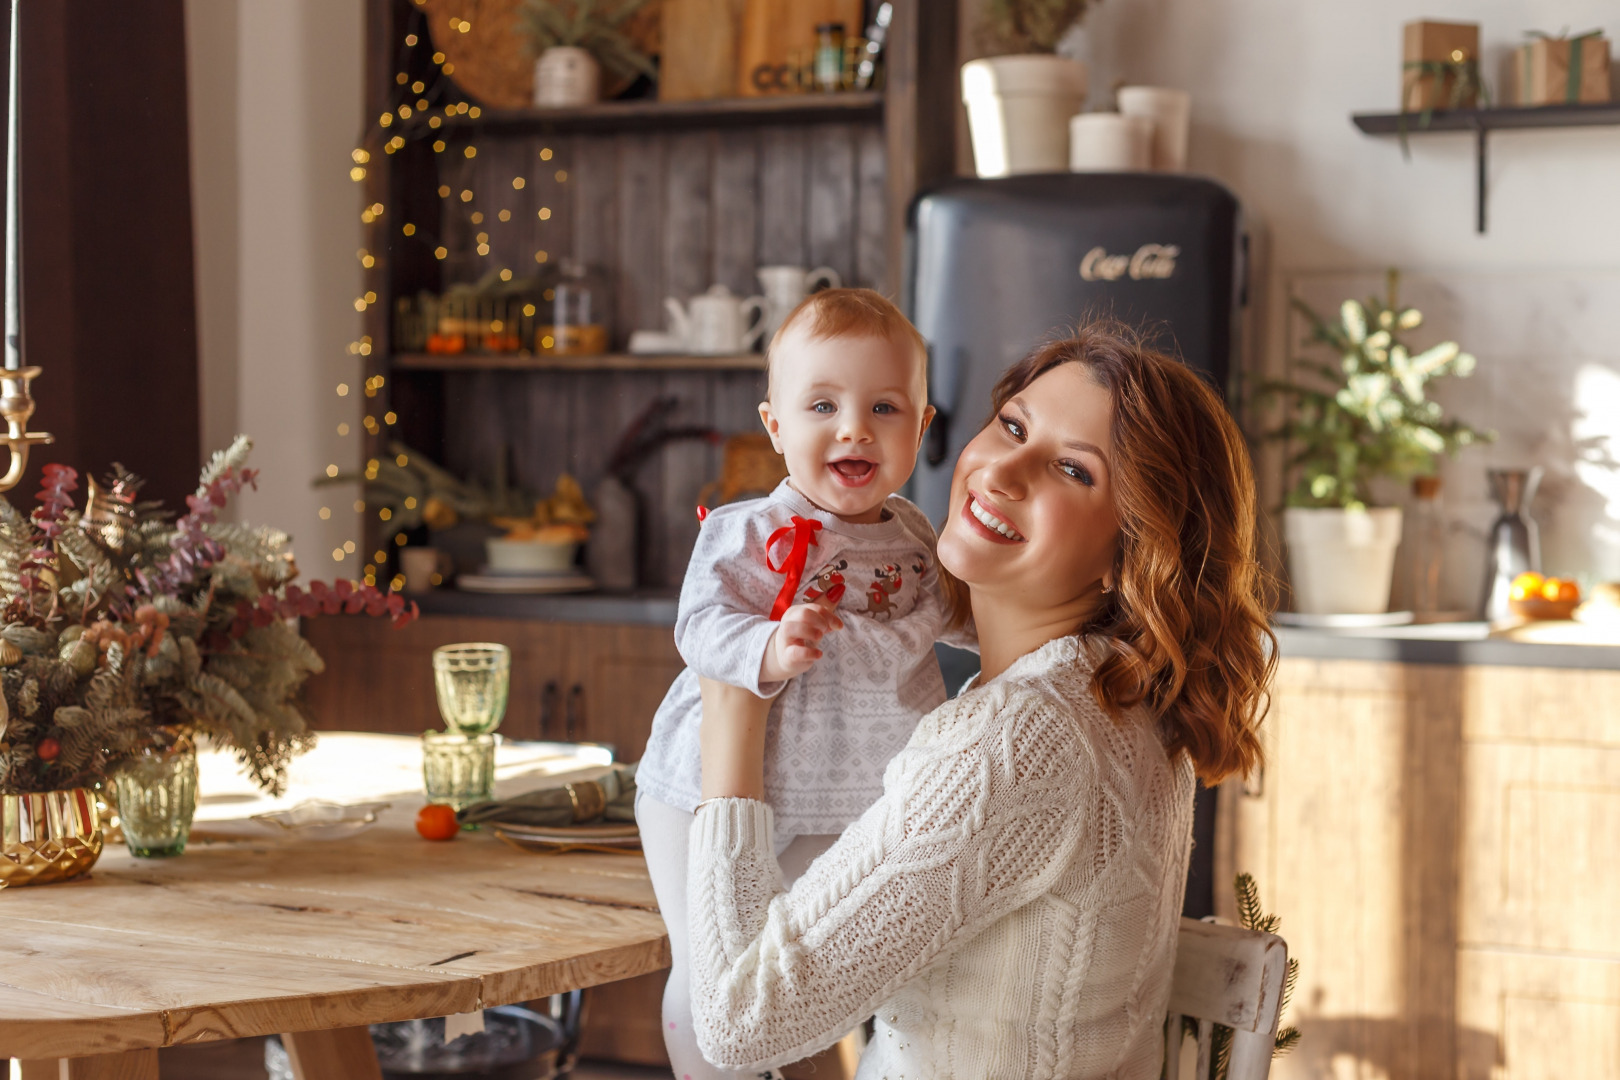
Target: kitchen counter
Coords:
[[1442, 643], [1434, 643], [643, 608]]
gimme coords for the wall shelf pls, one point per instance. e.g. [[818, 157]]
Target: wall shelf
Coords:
[[602, 362], [640, 115], [1481, 122]]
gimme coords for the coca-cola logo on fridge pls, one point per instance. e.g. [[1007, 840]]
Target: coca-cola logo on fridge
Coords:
[[1150, 262]]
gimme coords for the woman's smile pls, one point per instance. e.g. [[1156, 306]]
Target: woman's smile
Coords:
[[991, 525]]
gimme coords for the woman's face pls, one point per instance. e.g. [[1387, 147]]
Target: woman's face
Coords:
[[1032, 510]]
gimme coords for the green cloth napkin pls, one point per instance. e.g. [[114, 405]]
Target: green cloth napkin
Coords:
[[610, 797]]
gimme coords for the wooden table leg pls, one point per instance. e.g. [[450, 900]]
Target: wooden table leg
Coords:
[[129, 1065], [337, 1054]]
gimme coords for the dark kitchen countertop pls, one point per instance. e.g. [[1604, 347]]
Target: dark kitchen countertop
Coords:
[[1437, 643], [1440, 643], [649, 608]]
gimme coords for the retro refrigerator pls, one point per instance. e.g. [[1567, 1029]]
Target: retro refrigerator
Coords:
[[994, 267]]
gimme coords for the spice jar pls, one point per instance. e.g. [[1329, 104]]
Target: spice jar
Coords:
[[829, 63]]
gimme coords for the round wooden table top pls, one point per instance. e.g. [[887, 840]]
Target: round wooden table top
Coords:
[[251, 933]]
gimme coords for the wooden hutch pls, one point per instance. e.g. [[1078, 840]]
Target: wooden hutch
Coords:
[[666, 198]]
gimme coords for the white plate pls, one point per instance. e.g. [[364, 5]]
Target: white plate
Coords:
[[525, 583], [1342, 622]]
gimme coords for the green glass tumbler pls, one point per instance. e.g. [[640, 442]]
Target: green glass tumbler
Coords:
[[472, 681], [157, 798], [458, 769]]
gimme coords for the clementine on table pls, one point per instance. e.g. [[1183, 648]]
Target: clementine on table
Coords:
[[437, 821]]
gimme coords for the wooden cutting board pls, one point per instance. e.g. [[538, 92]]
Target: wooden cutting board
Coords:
[[775, 33], [699, 49]]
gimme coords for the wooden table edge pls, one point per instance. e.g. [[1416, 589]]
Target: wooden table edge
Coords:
[[39, 1039]]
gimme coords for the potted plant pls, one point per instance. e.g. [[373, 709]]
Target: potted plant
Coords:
[[127, 634], [1019, 103], [1369, 416], [574, 39]]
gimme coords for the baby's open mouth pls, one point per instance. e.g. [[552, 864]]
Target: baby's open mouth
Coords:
[[853, 472]]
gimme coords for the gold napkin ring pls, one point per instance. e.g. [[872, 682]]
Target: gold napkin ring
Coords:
[[588, 798]]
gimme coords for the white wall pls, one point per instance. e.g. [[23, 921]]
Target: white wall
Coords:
[[1274, 83], [276, 108]]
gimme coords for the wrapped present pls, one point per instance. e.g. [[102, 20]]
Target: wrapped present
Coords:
[[1562, 70], [1440, 68]]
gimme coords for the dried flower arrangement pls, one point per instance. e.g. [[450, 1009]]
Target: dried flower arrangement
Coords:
[[125, 627], [594, 25]]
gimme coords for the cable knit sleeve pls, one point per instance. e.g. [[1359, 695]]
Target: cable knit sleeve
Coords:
[[980, 815]]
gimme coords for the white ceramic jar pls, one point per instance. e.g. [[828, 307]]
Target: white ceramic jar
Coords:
[[566, 75], [1018, 111]]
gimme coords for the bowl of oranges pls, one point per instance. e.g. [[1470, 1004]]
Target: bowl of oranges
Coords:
[[1533, 596]]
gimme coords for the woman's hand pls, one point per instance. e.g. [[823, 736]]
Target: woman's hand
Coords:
[[732, 741]]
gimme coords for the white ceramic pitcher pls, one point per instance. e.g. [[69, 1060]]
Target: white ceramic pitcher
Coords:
[[787, 286], [718, 323]]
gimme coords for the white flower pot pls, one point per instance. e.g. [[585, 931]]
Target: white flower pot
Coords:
[[564, 76], [1341, 562], [1018, 111]]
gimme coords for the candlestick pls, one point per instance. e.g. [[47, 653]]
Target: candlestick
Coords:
[[16, 403]]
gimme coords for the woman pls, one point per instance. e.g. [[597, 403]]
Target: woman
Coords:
[[1009, 906]]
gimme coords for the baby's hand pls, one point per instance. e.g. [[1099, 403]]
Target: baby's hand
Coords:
[[795, 645]]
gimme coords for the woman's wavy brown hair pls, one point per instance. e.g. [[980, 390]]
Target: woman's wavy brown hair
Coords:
[[1185, 626]]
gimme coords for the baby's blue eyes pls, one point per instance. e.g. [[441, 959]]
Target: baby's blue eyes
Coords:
[[827, 408]]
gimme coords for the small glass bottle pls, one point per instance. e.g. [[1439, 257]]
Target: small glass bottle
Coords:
[[829, 64], [1427, 535]]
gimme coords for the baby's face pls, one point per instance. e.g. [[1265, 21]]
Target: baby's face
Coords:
[[848, 414]]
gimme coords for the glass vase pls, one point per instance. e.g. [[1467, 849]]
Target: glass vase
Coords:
[[157, 797]]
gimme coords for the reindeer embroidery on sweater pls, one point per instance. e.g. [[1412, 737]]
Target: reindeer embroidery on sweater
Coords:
[[828, 582], [878, 596]]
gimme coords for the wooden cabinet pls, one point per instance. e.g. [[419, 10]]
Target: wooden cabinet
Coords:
[[1440, 842], [580, 682]]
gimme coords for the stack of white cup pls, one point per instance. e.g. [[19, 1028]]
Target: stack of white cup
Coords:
[[1148, 132]]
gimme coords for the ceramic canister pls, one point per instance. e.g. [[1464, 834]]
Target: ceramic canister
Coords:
[[1171, 113], [1109, 142]]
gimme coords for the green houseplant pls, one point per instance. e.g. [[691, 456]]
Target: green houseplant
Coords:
[[574, 39], [1348, 424], [1020, 100]]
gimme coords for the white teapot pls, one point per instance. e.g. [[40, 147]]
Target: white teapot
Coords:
[[718, 323]]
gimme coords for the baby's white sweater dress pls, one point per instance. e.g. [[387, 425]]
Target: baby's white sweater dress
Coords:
[[834, 728], [1007, 909]]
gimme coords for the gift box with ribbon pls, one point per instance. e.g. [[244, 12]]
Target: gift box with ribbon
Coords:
[[1440, 68], [1562, 70]]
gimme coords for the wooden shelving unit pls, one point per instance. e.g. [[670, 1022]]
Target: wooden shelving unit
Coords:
[[849, 105], [602, 362], [1481, 122]]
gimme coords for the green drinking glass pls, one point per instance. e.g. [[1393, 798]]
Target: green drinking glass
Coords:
[[472, 681], [458, 769], [157, 798]]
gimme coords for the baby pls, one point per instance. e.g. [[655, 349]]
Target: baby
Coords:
[[832, 550]]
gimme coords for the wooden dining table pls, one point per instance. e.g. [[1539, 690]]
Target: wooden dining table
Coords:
[[252, 933]]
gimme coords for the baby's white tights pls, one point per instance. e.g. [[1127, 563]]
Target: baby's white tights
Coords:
[[664, 840]]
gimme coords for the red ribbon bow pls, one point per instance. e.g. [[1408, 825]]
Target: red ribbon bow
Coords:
[[803, 531]]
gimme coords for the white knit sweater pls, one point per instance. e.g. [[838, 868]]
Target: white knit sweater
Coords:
[[1007, 909]]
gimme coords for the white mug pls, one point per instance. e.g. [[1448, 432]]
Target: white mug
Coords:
[[1109, 142], [1171, 111], [787, 286]]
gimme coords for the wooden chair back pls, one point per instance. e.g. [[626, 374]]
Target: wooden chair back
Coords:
[[1231, 976]]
